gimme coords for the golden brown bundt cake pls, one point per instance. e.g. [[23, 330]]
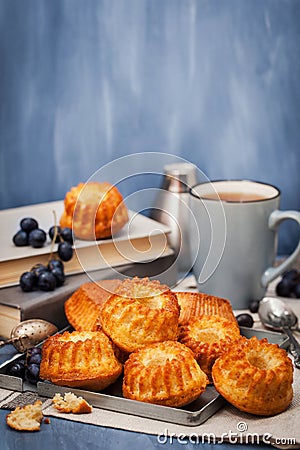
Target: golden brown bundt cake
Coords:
[[80, 359], [140, 313], [193, 304], [82, 309], [165, 373], [255, 376], [209, 337], [94, 210]]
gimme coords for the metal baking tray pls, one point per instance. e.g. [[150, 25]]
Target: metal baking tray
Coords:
[[111, 399], [193, 414], [273, 337]]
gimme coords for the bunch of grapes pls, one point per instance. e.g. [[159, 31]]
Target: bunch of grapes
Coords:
[[44, 278], [27, 368], [30, 234], [289, 285], [40, 276]]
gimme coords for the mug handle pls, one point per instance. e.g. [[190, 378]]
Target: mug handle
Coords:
[[275, 220]]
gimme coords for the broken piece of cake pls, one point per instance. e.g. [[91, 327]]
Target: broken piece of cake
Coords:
[[70, 403], [26, 418]]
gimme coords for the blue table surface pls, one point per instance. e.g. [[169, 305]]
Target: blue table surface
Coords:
[[6, 353], [67, 435]]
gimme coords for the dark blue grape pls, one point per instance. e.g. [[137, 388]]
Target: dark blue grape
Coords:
[[37, 238], [296, 290], [32, 373], [65, 251], [67, 235], [285, 288], [16, 369], [51, 233], [46, 281], [28, 224], [290, 275], [55, 263], [34, 351], [245, 320], [20, 239], [37, 269], [253, 306], [27, 281], [34, 359], [59, 275]]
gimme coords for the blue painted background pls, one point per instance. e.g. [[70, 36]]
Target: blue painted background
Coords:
[[83, 82]]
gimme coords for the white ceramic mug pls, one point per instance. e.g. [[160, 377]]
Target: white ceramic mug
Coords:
[[234, 244]]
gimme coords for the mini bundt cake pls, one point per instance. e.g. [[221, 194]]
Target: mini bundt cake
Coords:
[[80, 359], [209, 337], [82, 309], [255, 377], [165, 373], [140, 313], [94, 210], [194, 304]]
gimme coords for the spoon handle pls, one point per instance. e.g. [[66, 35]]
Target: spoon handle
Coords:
[[8, 341], [13, 340], [295, 346]]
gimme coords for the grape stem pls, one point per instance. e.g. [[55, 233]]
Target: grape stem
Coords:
[[54, 236]]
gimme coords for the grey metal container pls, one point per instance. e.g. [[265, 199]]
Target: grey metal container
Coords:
[[171, 207]]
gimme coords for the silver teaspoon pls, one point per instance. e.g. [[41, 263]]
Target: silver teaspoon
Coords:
[[274, 313]]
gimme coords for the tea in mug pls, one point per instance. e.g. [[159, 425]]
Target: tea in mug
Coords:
[[237, 197]]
